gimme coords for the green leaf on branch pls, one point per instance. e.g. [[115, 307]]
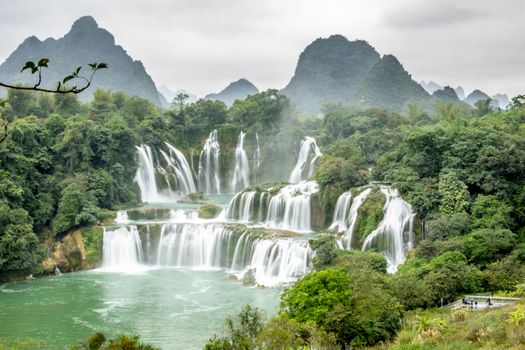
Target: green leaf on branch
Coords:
[[68, 78], [93, 65], [29, 65], [102, 66], [78, 70], [43, 62]]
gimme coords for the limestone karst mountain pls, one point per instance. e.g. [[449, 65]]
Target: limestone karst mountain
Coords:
[[447, 95], [237, 90], [335, 69], [85, 43]]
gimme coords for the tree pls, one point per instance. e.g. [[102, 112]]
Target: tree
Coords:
[[454, 193], [483, 107], [242, 331], [353, 305], [76, 207], [179, 101], [517, 102], [98, 341]]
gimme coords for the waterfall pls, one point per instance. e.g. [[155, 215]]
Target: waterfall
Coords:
[[290, 208], [241, 170], [394, 236], [342, 207], [257, 158], [145, 176], [122, 249], [278, 261], [181, 167], [122, 217], [195, 245], [308, 147], [209, 167], [241, 207], [175, 172], [351, 218], [206, 246]]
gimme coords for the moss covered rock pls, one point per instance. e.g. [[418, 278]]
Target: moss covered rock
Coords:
[[209, 211], [193, 198], [369, 216]]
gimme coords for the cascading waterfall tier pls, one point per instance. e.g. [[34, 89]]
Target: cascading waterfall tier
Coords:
[[184, 241], [122, 249], [309, 156], [209, 165], [394, 236], [345, 216], [163, 179], [289, 208], [241, 171]]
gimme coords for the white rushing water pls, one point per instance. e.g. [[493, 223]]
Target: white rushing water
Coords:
[[209, 165], [241, 171], [122, 217], [394, 235], [207, 246], [182, 169], [288, 209], [241, 207], [172, 169], [278, 261], [257, 159], [122, 249], [145, 176], [309, 156], [345, 216], [342, 208]]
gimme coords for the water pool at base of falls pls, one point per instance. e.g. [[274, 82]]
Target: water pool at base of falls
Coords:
[[169, 307]]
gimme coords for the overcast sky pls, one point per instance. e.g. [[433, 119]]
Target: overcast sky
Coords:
[[202, 45]]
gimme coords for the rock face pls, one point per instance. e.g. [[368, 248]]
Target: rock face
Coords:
[[78, 250], [447, 95], [85, 43], [335, 69], [238, 90]]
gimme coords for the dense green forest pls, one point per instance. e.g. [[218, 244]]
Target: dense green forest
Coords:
[[67, 164]]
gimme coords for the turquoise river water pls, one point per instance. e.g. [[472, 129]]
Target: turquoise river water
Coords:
[[168, 307]]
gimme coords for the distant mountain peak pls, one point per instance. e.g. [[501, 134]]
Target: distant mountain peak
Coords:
[[86, 30], [237, 90], [85, 43], [84, 22], [447, 95], [431, 86], [335, 69], [476, 96]]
